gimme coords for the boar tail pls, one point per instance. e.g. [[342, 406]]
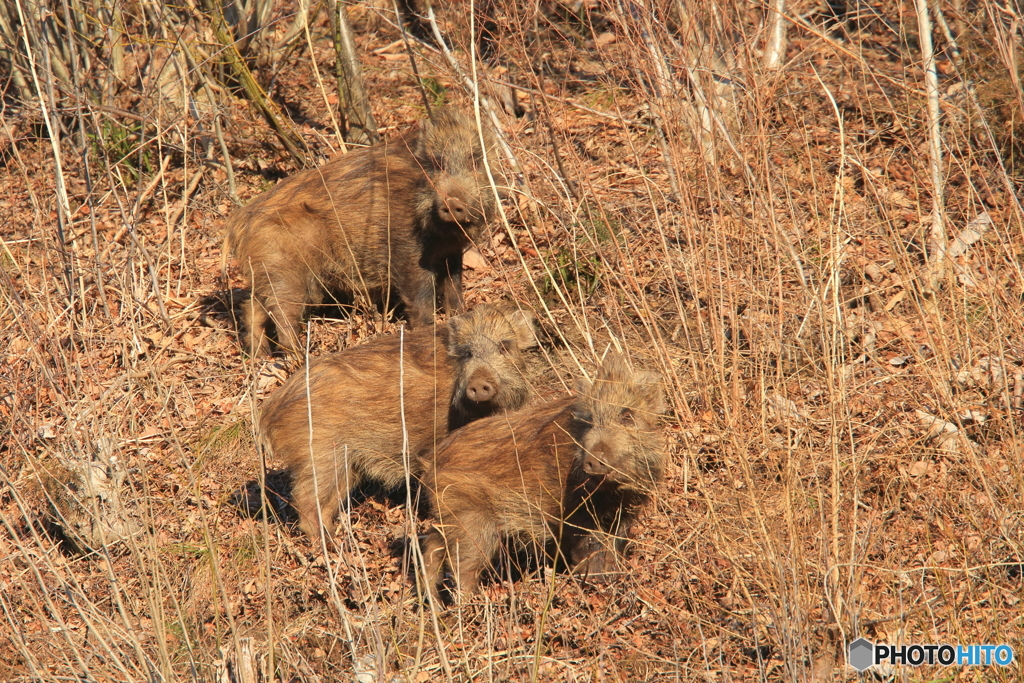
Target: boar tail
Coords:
[[225, 250]]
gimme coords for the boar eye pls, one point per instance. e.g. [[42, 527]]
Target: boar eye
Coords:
[[627, 418], [507, 345]]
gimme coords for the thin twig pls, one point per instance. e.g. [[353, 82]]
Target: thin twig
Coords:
[[937, 239], [412, 61]]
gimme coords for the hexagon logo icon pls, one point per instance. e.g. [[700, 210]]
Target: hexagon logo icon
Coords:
[[861, 654]]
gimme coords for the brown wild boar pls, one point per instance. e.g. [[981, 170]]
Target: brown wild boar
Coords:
[[350, 427], [395, 216], [571, 474]]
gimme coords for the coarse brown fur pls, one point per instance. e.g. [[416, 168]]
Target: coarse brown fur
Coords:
[[395, 216], [351, 428], [571, 473]]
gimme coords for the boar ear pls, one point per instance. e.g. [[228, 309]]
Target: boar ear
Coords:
[[423, 142], [457, 326], [614, 367], [651, 392], [522, 324]]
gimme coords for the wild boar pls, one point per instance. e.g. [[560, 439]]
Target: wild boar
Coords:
[[567, 474], [395, 216], [344, 425]]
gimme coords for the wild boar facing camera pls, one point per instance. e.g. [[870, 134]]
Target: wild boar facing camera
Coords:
[[570, 475], [344, 424], [393, 217]]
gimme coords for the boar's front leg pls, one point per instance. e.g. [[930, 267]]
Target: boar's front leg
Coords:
[[449, 277], [416, 287], [595, 551]]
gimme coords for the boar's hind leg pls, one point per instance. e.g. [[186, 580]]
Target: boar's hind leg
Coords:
[[254, 322], [467, 552], [285, 309], [276, 299], [472, 552], [433, 562], [320, 499]]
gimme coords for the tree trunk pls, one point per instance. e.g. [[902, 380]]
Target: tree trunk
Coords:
[[358, 125]]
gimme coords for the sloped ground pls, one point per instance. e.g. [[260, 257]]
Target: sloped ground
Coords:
[[845, 453]]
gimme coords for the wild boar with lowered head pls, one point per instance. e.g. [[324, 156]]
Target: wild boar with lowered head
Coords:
[[571, 475]]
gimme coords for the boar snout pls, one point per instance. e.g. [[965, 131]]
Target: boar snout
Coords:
[[453, 210], [595, 462], [482, 386], [485, 347]]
